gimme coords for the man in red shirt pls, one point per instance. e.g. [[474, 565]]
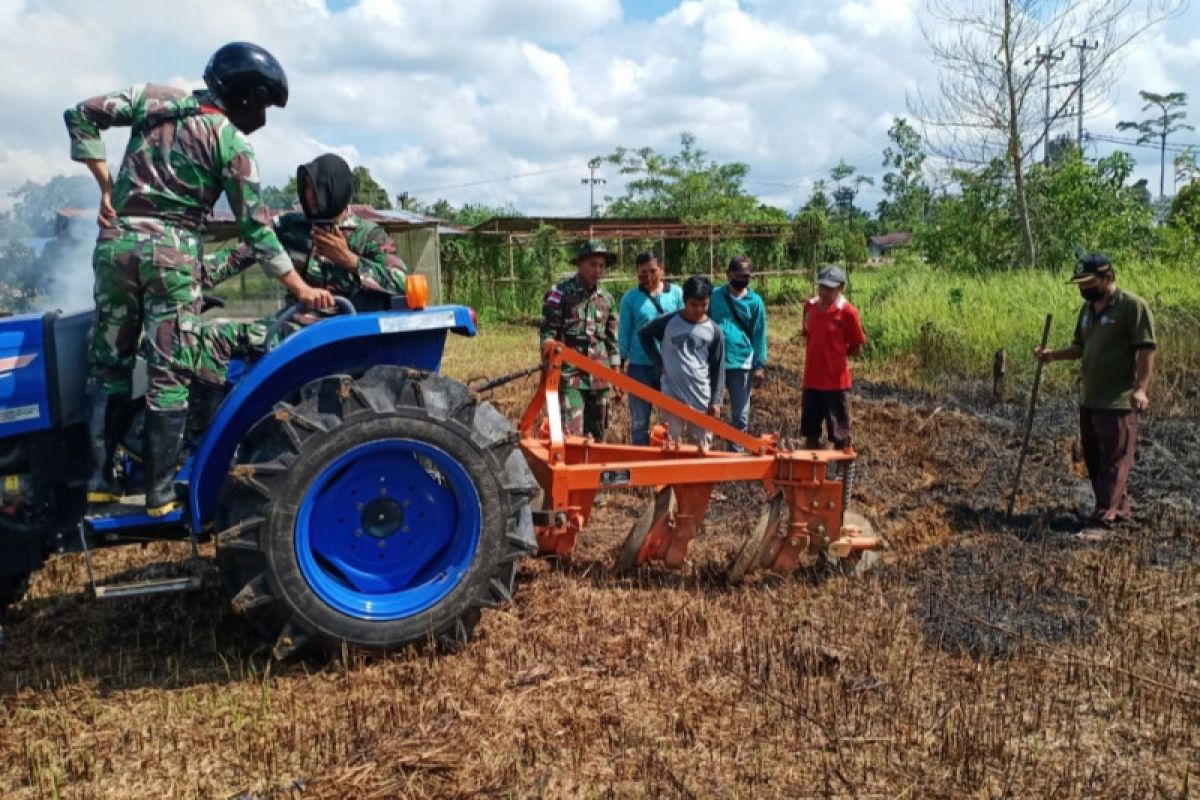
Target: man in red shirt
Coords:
[[832, 333]]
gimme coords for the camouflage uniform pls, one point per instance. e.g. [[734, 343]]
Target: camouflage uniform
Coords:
[[586, 321], [182, 153], [380, 269]]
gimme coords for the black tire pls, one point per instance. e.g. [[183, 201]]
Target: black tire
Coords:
[[288, 450]]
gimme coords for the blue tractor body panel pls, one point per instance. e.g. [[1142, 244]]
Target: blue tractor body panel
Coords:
[[42, 371], [24, 390], [340, 344]]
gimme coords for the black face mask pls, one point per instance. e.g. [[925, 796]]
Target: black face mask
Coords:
[[739, 283], [1091, 294]]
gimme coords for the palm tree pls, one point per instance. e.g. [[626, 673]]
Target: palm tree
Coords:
[[1168, 121]]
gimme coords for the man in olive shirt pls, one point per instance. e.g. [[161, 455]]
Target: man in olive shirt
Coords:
[[1114, 339]]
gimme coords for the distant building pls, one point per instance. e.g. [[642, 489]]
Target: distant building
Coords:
[[879, 247]]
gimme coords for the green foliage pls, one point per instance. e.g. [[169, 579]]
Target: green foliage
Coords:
[[1168, 120], [468, 215], [281, 199], [1077, 205], [37, 204], [907, 195], [21, 280], [367, 192], [976, 229], [950, 324], [685, 185]]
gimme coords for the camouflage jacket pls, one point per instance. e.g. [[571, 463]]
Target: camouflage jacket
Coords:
[[586, 321], [379, 266], [175, 171]]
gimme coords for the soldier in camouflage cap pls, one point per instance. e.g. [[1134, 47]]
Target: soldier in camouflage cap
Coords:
[[330, 247], [184, 150], [582, 315]]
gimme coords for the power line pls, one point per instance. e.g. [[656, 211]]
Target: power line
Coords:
[[1175, 147], [492, 180]]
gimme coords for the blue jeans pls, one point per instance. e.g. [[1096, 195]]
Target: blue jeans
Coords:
[[639, 410], [737, 381]]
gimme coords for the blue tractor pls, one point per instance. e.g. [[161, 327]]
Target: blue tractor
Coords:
[[354, 494]]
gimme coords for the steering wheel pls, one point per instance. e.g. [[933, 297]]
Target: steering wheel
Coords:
[[343, 305]]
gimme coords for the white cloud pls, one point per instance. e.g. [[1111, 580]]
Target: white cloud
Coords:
[[429, 95]]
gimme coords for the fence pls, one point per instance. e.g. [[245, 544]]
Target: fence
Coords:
[[503, 274]]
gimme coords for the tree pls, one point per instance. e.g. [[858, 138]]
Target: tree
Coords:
[[1168, 120], [985, 106], [846, 187], [686, 185], [20, 280], [367, 192], [1186, 169], [37, 204], [907, 196], [278, 199]]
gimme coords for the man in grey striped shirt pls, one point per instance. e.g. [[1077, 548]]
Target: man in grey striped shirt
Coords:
[[687, 345]]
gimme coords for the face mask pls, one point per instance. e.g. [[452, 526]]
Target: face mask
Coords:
[[739, 283], [1091, 294]]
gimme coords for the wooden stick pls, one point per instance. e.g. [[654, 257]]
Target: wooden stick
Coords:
[[1037, 379]]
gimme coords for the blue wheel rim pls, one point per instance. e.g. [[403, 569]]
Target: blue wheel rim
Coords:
[[388, 529]]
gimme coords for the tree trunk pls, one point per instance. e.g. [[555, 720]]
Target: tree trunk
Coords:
[[1162, 163], [1015, 159]]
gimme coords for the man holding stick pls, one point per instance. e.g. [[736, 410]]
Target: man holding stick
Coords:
[[1114, 341]]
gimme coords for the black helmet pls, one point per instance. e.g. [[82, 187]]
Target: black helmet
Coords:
[[246, 79]]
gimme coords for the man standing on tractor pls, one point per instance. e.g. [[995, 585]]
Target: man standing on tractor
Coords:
[[1114, 339], [581, 314], [652, 298], [184, 150], [742, 316], [330, 248], [692, 359], [832, 334]]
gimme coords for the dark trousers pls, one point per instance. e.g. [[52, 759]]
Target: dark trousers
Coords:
[[639, 409], [1109, 438], [828, 408]]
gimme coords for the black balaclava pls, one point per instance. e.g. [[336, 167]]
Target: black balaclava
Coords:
[[334, 184]]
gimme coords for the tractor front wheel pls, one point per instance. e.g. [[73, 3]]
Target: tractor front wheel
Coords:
[[380, 512]]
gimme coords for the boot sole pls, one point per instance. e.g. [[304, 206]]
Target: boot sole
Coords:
[[161, 511]]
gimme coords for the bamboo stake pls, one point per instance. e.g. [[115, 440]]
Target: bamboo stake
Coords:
[[1037, 379]]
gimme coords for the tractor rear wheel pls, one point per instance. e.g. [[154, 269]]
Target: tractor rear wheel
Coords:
[[379, 511]]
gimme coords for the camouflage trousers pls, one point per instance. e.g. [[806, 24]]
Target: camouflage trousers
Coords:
[[224, 339], [584, 411], [147, 289]]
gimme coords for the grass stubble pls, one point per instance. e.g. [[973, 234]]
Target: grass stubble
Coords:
[[984, 658]]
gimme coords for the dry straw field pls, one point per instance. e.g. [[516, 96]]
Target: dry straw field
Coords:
[[984, 658]]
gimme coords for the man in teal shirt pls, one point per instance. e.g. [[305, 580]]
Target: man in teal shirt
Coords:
[[652, 298], [742, 316]]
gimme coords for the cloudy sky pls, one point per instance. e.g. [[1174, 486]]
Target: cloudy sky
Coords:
[[504, 101]]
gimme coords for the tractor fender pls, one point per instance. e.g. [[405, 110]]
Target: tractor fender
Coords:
[[339, 344]]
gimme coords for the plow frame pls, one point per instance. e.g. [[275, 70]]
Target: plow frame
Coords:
[[572, 469]]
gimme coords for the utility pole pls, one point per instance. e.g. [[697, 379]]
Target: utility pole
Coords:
[[591, 182], [1048, 58], [1083, 47]]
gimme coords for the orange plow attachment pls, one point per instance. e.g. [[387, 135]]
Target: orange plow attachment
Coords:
[[805, 516]]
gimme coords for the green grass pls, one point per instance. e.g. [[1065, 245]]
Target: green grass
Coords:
[[940, 325], [931, 328]]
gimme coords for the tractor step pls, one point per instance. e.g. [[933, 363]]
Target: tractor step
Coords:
[[117, 519], [142, 588]]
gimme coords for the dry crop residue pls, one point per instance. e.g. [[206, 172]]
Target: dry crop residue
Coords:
[[984, 658]]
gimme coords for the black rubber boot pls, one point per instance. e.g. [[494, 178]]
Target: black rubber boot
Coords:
[[106, 416], [164, 437], [204, 400]]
